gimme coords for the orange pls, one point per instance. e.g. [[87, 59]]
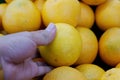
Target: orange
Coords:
[[61, 11], [94, 2], [2, 10], [108, 15], [89, 46], [111, 74], [39, 4], [65, 48], [21, 15], [109, 45], [8, 1], [87, 16], [91, 71], [64, 73]]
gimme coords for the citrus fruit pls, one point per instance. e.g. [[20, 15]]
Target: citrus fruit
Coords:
[[61, 11], [111, 74], [87, 17], [89, 46], [21, 15], [94, 2], [65, 48], [2, 10], [8, 1], [39, 4], [64, 73], [108, 15], [109, 45], [91, 71]]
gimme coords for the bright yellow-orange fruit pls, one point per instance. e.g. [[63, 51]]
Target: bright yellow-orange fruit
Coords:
[[94, 2], [21, 15], [87, 16], [61, 11], [39, 4], [65, 48], [111, 74], [8, 1], [89, 46], [2, 10], [109, 45], [91, 71], [108, 15], [64, 73]]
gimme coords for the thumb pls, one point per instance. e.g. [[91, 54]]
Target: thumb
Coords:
[[44, 37]]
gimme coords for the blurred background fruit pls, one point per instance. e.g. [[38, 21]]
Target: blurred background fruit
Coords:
[[89, 46], [2, 10], [64, 11], [94, 2], [21, 15], [64, 73], [91, 71], [111, 74], [109, 45], [87, 16], [8, 1], [108, 14], [39, 4]]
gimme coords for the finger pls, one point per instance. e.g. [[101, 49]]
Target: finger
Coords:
[[44, 37], [41, 63], [43, 70]]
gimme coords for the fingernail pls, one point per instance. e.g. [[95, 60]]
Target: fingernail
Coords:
[[50, 27]]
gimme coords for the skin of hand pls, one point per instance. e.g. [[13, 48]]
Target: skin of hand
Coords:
[[18, 49]]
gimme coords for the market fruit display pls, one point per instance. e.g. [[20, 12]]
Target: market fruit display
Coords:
[[87, 43]]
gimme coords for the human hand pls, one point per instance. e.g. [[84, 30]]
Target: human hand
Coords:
[[18, 49]]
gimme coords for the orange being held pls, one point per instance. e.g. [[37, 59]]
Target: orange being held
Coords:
[[65, 49]]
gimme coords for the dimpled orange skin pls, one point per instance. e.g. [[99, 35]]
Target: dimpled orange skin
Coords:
[[21, 15]]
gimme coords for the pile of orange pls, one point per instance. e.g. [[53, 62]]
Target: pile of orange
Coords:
[[87, 38]]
